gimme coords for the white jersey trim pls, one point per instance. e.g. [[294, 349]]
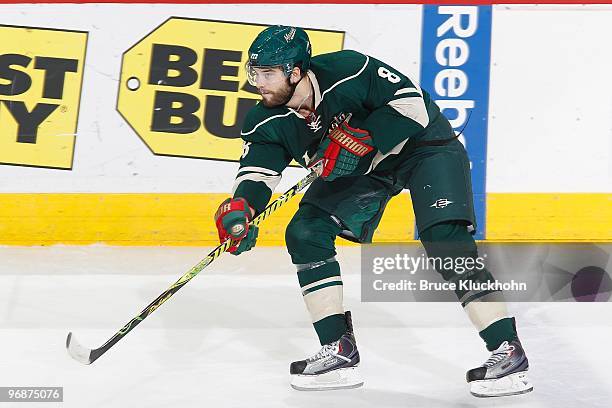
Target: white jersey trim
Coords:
[[258, 170], [315, 86], [347, 78], [380, 156], [412, 107], [408, 90], [270, 181], [269, 119]]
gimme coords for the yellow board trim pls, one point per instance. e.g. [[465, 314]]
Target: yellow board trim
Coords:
[[549, 217], [186, 219]]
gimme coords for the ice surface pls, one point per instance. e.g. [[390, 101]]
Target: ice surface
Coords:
[[227, 338]]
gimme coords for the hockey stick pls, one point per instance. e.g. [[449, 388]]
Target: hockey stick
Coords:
[[87, 356]]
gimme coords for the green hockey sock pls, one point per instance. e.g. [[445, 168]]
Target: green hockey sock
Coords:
[[498, 332]]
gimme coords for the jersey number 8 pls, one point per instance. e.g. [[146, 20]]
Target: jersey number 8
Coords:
[[390, 76]]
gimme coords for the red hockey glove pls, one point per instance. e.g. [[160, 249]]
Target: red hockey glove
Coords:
[[232, 221], [341, 151]]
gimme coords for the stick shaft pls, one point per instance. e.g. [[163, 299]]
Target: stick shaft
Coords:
[[182, 281]]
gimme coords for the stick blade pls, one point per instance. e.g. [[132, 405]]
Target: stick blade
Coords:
[[78, 352]]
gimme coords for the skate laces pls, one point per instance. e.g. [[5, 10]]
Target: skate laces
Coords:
[[502, 352], [330, 350], [326, 351]]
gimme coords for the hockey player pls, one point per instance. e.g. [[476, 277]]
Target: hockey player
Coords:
[[370, 132]]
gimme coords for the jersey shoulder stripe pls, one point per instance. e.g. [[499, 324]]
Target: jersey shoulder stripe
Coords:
[[335, 68], [348, 78], [262, 122]]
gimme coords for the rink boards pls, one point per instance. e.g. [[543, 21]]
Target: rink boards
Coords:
[[105, 166], [186, 219]]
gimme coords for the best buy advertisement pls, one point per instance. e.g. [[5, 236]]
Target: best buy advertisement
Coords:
[[184, 89], [41, 72]]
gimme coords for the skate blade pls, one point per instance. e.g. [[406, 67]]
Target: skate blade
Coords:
[[342, 378], [513, 384]]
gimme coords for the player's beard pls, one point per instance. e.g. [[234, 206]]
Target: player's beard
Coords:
[[281, 96]]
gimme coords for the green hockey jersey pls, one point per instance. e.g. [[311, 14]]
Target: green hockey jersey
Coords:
[[381, 100]]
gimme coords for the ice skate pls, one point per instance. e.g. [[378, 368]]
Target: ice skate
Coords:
[[333, 367], [503, 374]]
